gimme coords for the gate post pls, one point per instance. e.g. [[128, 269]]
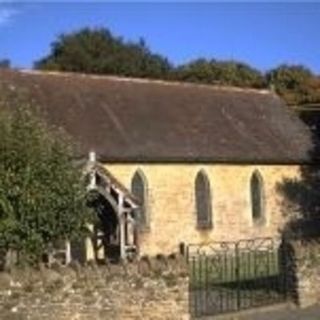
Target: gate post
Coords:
[[237, 274], [287, 270]]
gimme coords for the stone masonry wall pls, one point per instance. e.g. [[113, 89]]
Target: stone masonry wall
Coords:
[[147, 290], [172, 209], [303, 272]]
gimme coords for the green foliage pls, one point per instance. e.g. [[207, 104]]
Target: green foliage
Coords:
[[220, 72], [248, 266], [98, 51], [295, 83], [42, 199]]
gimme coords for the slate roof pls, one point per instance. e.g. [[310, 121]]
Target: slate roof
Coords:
[[140, 120]]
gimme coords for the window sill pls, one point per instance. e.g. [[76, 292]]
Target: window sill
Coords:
[[259, 223], [205, 227]]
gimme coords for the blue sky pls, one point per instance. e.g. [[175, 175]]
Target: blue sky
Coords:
[[261, 34]]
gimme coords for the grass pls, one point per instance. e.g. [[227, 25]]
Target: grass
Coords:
[[226, 269]]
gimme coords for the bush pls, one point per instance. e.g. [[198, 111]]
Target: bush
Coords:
[[42, 197]]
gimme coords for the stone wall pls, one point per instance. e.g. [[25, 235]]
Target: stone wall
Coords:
[[172, 209], [156, 289], [303, 272]]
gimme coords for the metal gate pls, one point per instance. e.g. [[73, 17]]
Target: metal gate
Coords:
[[231, 276]]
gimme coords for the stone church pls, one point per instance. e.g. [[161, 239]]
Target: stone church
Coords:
[[173, 163]]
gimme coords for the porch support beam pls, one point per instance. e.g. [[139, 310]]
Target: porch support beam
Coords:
[[122, 227]]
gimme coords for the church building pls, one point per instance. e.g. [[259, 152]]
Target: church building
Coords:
[[174, 163]]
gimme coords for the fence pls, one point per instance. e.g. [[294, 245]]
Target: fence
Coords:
[[232, 276]]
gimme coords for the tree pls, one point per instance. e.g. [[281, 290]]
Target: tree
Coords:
[[98, 51], [220, 72], [295, 83], [301, 204], [42, 197]]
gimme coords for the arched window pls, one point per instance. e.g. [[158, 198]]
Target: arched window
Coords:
[[203, 201], [257, 198], [139, 190]]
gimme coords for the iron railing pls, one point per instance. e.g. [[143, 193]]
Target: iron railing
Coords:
[[231, 276]]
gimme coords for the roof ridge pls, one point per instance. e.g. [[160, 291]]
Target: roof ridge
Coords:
[[165, 123], [146, 80]]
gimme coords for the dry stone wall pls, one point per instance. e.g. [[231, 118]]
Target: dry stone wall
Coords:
[[147, 290]]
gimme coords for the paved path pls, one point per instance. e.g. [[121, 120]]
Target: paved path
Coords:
[[280, 312], [287, 313]]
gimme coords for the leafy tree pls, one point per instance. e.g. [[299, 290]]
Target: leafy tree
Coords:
[[42, 198], [295, 83], [301, 198], [220, 72], [98, 51]]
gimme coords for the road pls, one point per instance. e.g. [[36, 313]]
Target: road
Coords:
[[280, 312], [287, 313]]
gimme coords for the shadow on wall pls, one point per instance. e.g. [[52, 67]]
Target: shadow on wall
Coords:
[[301, 204]]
